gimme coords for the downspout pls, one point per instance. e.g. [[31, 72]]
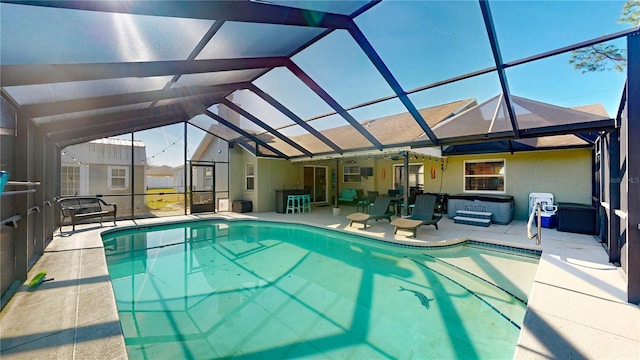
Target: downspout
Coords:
[[337, 179], [405, 210]]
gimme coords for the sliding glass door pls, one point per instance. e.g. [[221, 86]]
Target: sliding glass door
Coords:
[[315, 180]]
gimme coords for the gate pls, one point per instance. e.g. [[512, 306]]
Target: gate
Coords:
[[201, 186]]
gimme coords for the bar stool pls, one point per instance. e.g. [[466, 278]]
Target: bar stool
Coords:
[[305, 202], [293, 204]]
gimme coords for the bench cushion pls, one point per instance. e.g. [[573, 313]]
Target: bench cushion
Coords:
[[347, 195]]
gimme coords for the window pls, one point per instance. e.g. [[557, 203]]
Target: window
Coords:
[[351, 174], [416, 176], [69, 180], [484, 175], [208, 178], [249, 175], [118, 177]]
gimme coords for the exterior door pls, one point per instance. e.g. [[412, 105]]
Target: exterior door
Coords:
[[415, 176], [315, 180], [202, 187], [320, 185]]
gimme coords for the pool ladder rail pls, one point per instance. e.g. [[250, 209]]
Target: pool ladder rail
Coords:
[[4, 181], [537, 212]]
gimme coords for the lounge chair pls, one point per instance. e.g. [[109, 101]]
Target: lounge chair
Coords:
[[422, 215], [379, 210]]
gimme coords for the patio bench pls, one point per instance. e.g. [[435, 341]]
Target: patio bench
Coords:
[[79, 208]]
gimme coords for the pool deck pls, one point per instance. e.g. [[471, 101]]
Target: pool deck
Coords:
[[577, 306]]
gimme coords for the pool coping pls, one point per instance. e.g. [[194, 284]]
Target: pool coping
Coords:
[[532, 249]]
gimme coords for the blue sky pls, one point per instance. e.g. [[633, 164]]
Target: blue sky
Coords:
[[402, 33], [424, 41], [420, 41]]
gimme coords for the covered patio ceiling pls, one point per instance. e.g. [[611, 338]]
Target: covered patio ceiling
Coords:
[[294, 79]]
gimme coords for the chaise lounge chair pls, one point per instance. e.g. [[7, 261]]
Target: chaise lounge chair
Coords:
[[379, 210], [422, 215]]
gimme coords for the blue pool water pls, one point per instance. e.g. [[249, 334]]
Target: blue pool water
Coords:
[[249, 289]]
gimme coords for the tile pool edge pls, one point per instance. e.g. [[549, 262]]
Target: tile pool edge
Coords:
[[529, 249]]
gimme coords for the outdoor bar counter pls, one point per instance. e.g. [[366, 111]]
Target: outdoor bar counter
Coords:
[[281, 198]]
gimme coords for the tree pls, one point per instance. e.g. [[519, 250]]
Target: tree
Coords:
[[600, 57]]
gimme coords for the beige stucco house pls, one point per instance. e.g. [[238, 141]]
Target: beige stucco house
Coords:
[[561, 165]]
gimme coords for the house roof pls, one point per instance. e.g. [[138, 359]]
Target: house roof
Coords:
[[490, 120], [460, 118], [392, 131], [594, 112], [163, 170], [105, 152], [87, 70]]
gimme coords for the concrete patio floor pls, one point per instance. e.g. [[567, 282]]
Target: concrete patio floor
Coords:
[[577, 305]]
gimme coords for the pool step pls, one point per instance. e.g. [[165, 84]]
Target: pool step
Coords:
[[471, 221], [474, 214], [477, 218]]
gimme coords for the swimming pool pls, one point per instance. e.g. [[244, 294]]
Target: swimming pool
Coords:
[[251, 289]]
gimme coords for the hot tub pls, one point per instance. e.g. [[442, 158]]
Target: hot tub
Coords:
[[500, 206]]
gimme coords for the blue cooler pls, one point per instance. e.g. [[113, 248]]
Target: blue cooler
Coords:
[[548, 219]]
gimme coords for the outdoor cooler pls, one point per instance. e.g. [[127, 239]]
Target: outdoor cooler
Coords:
[[548, 219], [548, 214]]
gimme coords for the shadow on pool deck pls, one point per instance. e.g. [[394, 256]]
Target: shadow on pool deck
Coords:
[[577, 305]]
